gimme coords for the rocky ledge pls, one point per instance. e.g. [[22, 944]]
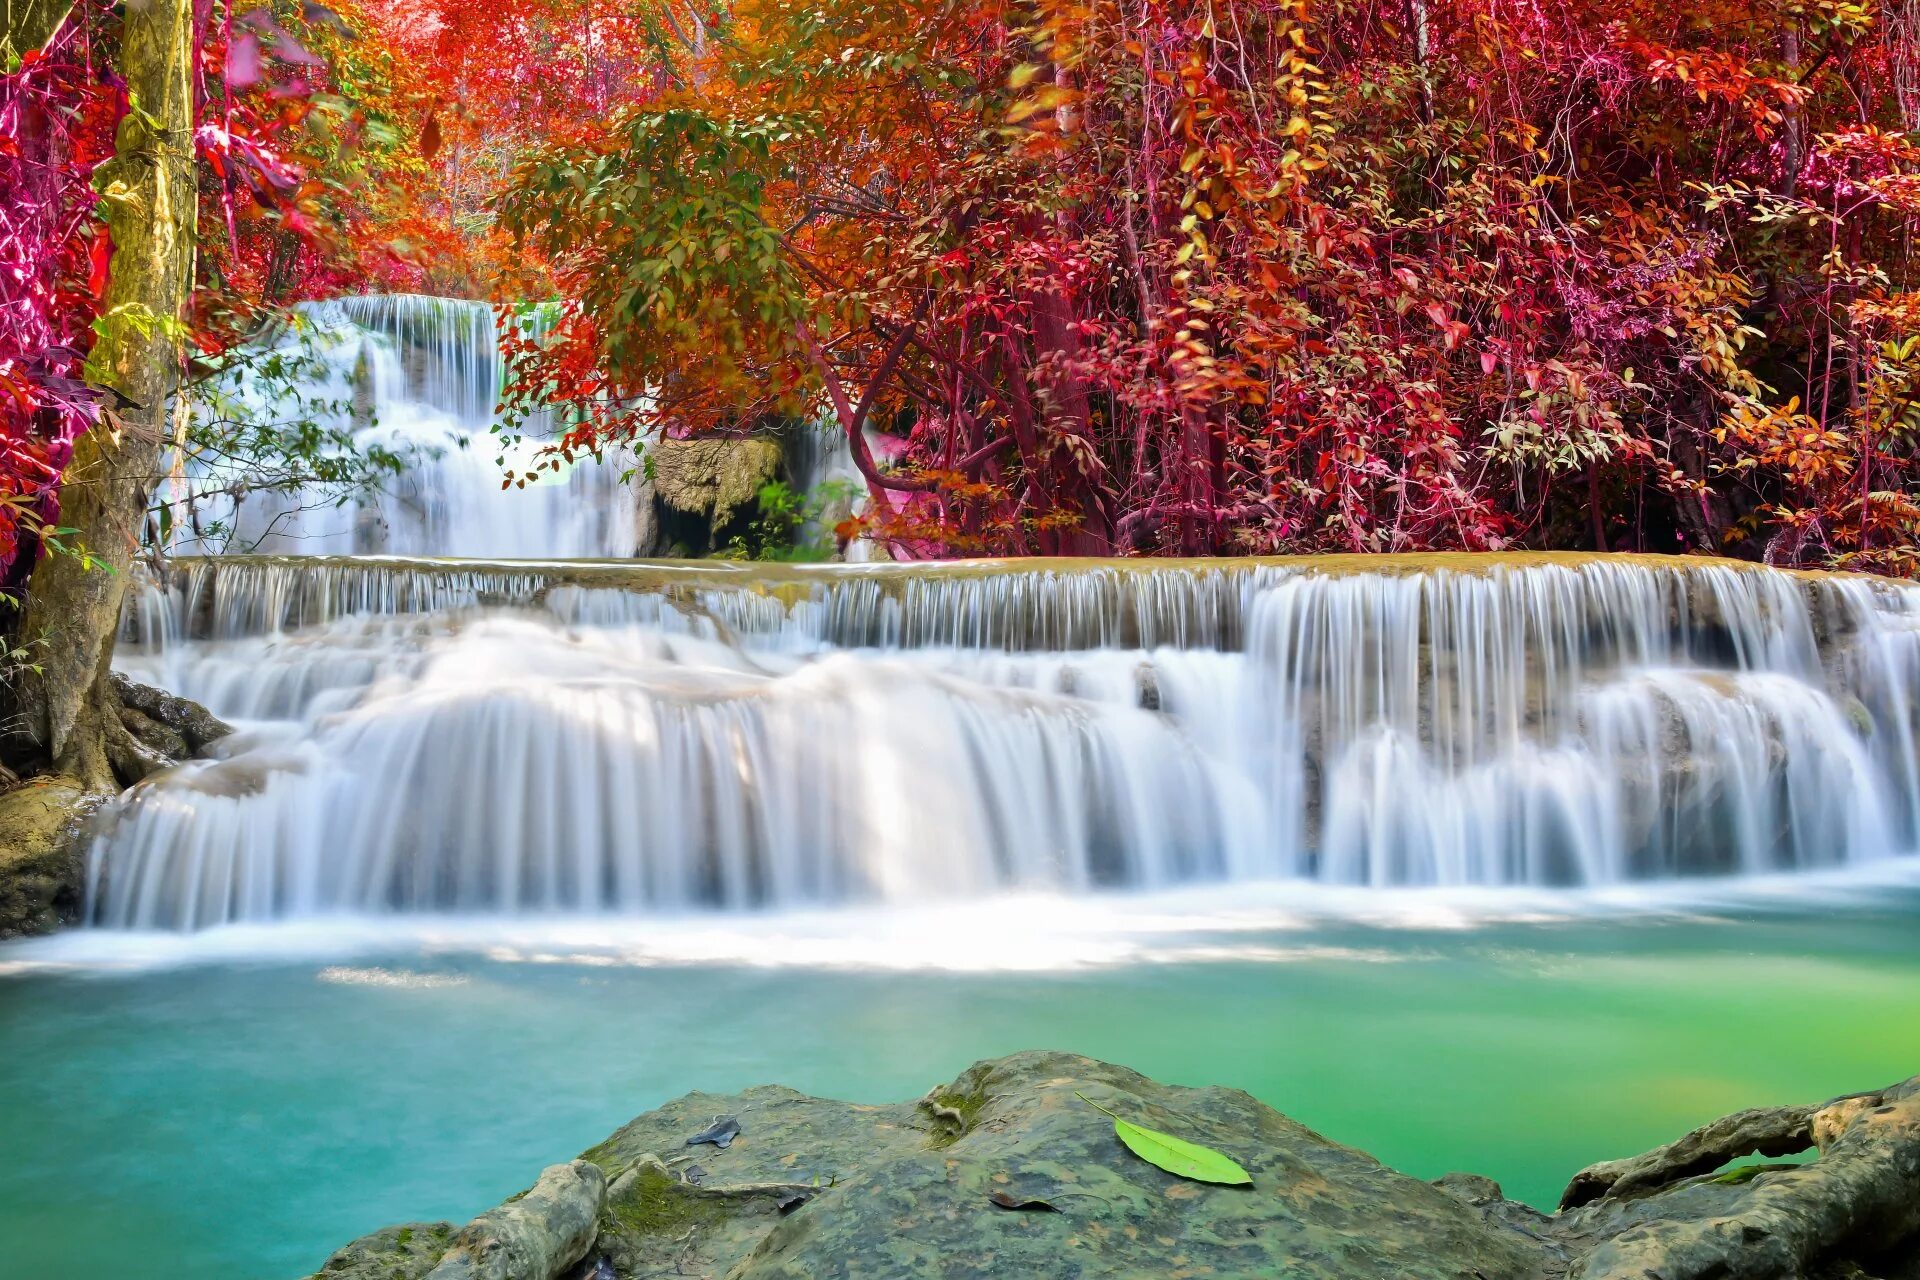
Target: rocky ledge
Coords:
[[1013, 1171], [44, 819]]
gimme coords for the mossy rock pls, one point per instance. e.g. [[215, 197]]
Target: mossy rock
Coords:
[[813, 1188], [42, 875], [1012, 1170], [398, 1253]]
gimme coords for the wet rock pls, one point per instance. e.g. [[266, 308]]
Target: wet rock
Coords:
[[1146, 684], [1008, 1172], [154, 735], [187, 722], [42, 823]]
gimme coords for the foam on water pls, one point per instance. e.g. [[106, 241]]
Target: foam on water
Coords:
[[1273, 922]]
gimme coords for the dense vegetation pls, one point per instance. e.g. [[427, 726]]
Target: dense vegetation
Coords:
[[1072, 275]]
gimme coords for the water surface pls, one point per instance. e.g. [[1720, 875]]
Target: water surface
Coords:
[[235, 1104]]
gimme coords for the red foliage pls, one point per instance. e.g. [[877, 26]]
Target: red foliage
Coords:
[[1076, 275], [57, 115], [1268, 275]]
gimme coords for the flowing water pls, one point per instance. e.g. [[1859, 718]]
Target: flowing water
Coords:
[[495, 738], [1508, 863], [416, 377]]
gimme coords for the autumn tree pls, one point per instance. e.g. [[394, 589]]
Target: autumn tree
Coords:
[[1269, 276], [149, 191]]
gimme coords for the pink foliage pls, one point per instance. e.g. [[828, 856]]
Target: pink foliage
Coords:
[[57, 114]]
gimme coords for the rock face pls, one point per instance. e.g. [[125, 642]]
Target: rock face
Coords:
[[1011, 1171], [160, 730], [703, 488], [40, 836]]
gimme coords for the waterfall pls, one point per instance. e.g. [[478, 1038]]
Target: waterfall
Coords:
[[451, 736], [418, 378]]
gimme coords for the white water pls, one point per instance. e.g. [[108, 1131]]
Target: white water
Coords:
[[418, 377], [566, 737], [538, 739]]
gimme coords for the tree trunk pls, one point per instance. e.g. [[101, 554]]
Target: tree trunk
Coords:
[[73, 604]]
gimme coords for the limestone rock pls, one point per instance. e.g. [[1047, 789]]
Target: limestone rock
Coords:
[[716, 478], [398, 1253], [187, 722], [1857, 1205], [812, 1188], [41, 823], [155, 735]]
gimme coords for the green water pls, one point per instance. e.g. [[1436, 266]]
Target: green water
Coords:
[[240, 1117]]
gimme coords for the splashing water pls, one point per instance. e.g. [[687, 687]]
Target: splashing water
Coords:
[[593, 737]]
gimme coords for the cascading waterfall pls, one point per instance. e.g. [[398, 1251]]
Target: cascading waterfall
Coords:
[[624, 737], [418, 377]]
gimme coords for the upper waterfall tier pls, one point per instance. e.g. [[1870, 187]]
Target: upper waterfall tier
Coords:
[[600, 736], [418, 378]]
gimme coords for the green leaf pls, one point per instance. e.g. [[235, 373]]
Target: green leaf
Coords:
[[1176, 1155], [1180, 1157]]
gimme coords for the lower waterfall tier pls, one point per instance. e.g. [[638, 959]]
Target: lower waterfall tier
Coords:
[[601, 738]]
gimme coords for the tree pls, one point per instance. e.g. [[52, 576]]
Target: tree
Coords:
[[149, 190], [1273, 275]]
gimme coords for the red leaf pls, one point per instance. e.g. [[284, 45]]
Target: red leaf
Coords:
[[99, 256]]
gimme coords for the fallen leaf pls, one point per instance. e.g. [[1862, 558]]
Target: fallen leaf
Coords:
[[1176, 1155], [720, 1133]]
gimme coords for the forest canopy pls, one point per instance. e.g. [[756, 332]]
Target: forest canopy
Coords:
[[1072, 276]]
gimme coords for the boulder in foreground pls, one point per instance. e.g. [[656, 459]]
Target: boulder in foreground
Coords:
[[1008, 1172]]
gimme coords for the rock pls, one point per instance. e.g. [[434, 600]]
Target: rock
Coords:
[[397, 1253], [538, 1236], [1775, 1131], [716, 479], [1008, 1171], [154, 735], [1146, 684], [189, 722], [907, 1190], [42, 821], [1858, 1204]]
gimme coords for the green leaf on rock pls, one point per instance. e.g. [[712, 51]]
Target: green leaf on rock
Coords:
[[1176, 1155]]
